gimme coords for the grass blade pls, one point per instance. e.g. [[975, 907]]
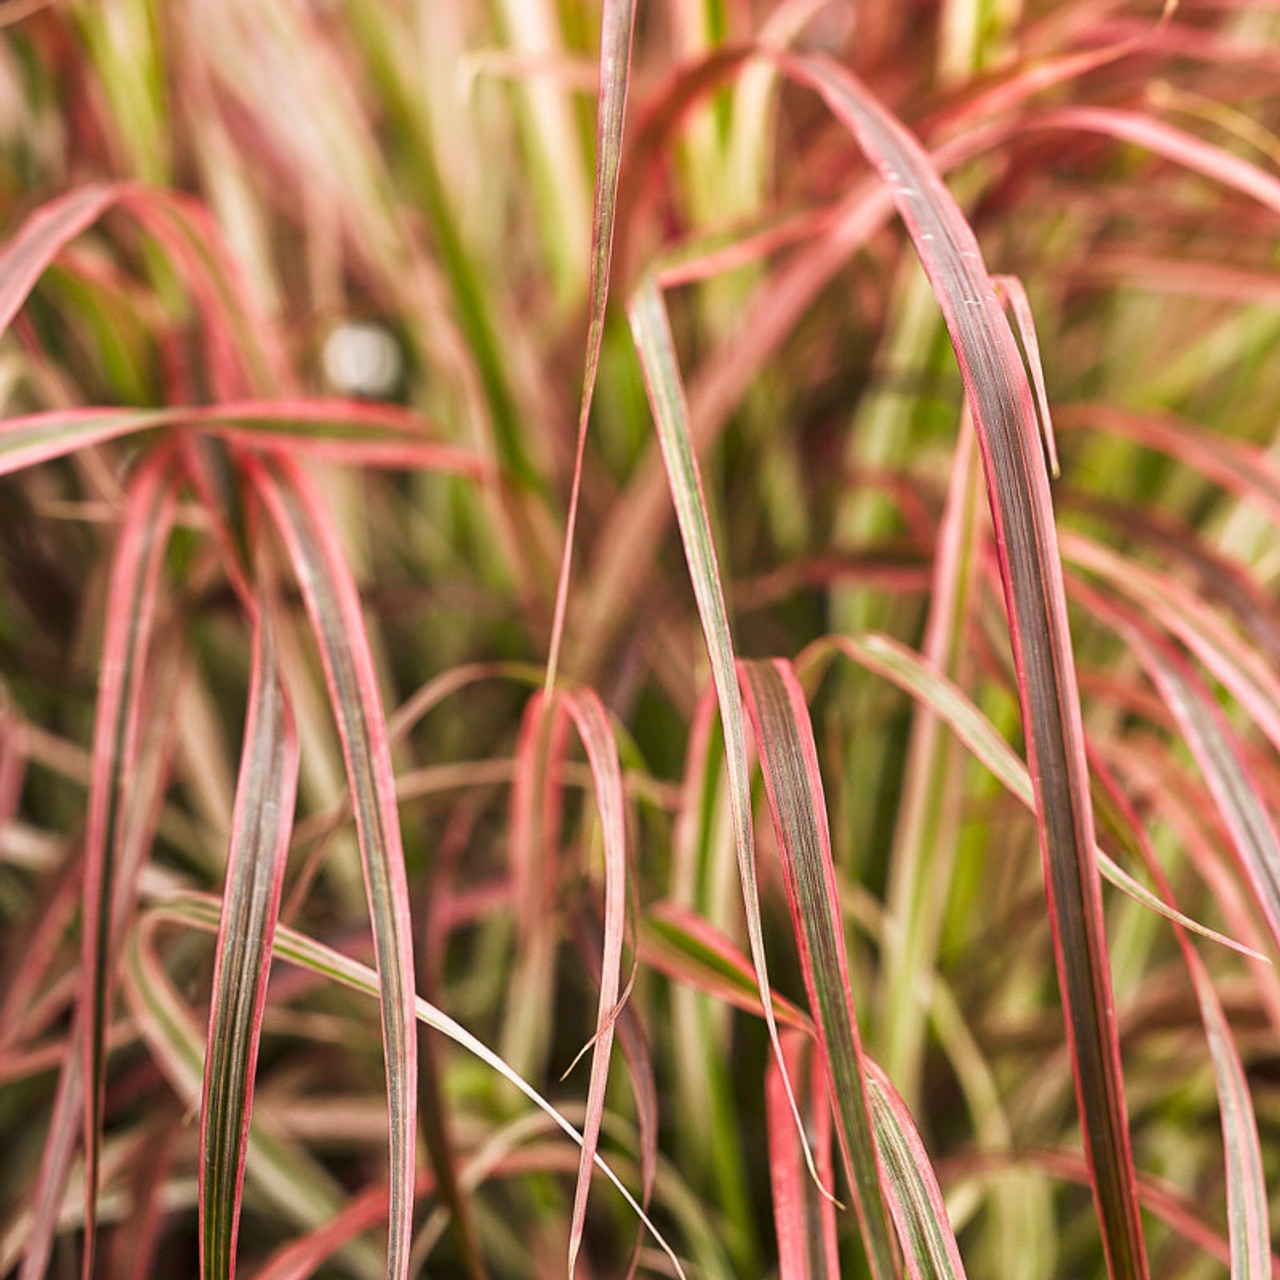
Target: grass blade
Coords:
[[617, 25], [1018, 485], [915, 677], [592, 721], [915, 1198], [789, 762], [135, 583], [336, 618], [260, 830], [202, 913], [651, 330]]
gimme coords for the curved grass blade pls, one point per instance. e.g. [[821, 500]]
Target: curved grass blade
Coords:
[[915, 1199], [334, 609], [1000, 397], [337, 430], [651, 330], [1216, 750], [260, 830], [789, 763], [592, 722], [909, 671], [298, 949], [617, 25], [131, 606], [1248, 1216]]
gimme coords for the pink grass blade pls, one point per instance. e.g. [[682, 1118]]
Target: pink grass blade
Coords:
[[260, 830], [334, 609], [349, 432], [915, 677], [131, 607], [41, 238], [915, 1199], [1003, 409], [592, 722], [617, 26], [789, 763], [1248, 1217], [298, 949], [651, 329], [807, 1246], [1014, 295]]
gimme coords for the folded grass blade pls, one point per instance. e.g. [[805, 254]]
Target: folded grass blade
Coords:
[[651, 330], [260, 830], [789, 762], [1003, 409], [336, 618]]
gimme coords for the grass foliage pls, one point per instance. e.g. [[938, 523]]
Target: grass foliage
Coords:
[[639, 638]]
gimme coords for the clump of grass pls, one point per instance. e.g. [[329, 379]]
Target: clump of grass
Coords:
[[367, 763]]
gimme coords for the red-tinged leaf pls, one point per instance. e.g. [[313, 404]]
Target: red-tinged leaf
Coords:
[[40, 239], [317, 428], [260, 830], [1248, 1218], [131, 606], [617, 24], [793, 783], [681, 944], [915, 1199], [651, 330], [334, 609], [592, 722], [807, 1245], [1000, 398], [1173, 144], [915, 677], [298, 949], [1215, 748]]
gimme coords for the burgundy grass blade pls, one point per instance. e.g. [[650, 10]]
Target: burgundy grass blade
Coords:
[[131, 606], [1022, 510], [789, 763], [617, 25], [260, 831], [334, 609]]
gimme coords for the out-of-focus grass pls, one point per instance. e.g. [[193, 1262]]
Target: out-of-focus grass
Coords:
[[297, 302]]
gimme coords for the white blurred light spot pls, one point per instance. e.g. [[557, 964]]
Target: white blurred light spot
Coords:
[[362, 359]]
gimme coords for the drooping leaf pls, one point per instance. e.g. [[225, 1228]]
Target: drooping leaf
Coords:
[[260, 830]]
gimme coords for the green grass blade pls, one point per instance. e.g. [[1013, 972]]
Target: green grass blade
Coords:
[[651, 330], [915, 1198], [789, 762], [336, 618], [260, 831]]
